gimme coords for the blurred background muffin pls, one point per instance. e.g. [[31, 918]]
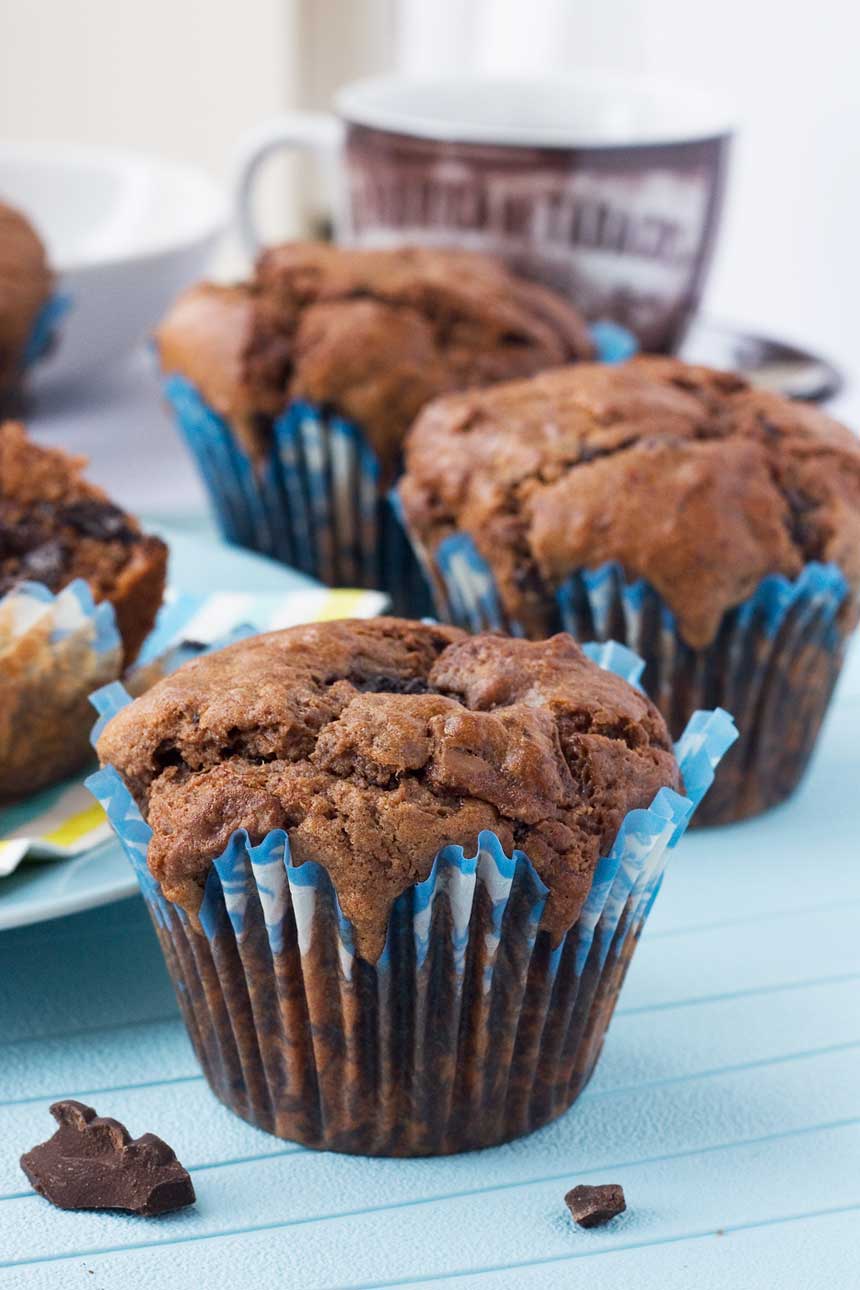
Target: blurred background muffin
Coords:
[[80, 586], [713, 528], [26, 289], [294, 390]]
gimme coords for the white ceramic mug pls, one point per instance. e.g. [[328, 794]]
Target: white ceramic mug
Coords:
[[607, 188]]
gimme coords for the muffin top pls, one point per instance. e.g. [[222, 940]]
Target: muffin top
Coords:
[[26, 283], [369, 334], [375, 743], [56, 526], [689, 478]]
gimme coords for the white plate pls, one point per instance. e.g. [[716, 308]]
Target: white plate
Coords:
[[125, 233], [40, 890]]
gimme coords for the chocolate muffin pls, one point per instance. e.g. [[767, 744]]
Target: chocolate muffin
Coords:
[[713, 527], [375, 743], [101, 582], [312, 797], [26, 285], [55, 526], [295, 389]]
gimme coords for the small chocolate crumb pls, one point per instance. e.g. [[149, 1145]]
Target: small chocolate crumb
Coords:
[[92, 1162], [594, 1206]]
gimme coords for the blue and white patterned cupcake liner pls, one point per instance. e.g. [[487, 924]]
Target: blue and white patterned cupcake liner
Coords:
[[54, 651], [58, 617], [315, 500], [773, 664], [46, 328], [470, 1029]]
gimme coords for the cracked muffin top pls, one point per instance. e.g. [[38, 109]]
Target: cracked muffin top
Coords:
[[55, 526], [375, 743], [26, 282], [370, 334], [688, 477]]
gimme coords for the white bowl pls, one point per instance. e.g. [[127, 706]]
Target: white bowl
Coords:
[[124, 232]]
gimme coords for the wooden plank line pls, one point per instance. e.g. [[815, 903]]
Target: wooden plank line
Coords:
[[81, 1094], [83, 1031], [765, 916], [841, 979]]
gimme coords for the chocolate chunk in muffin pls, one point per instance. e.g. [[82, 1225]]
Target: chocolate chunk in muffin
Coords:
[[26, 283], [376, 743], [55, 527], [688, 478], [369, 334]]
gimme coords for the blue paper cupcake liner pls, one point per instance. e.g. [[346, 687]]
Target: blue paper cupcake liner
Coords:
[[55, 649], [46, 328], [315, 501], [773, 663], [472, 1027]]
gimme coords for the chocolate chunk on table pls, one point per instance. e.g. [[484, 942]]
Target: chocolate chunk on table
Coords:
[[594, 1206], [93, 1162]]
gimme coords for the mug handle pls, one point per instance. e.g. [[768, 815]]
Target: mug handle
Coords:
[[315, 132]]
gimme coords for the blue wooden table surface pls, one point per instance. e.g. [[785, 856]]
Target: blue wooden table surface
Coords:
[[727, 1102]]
